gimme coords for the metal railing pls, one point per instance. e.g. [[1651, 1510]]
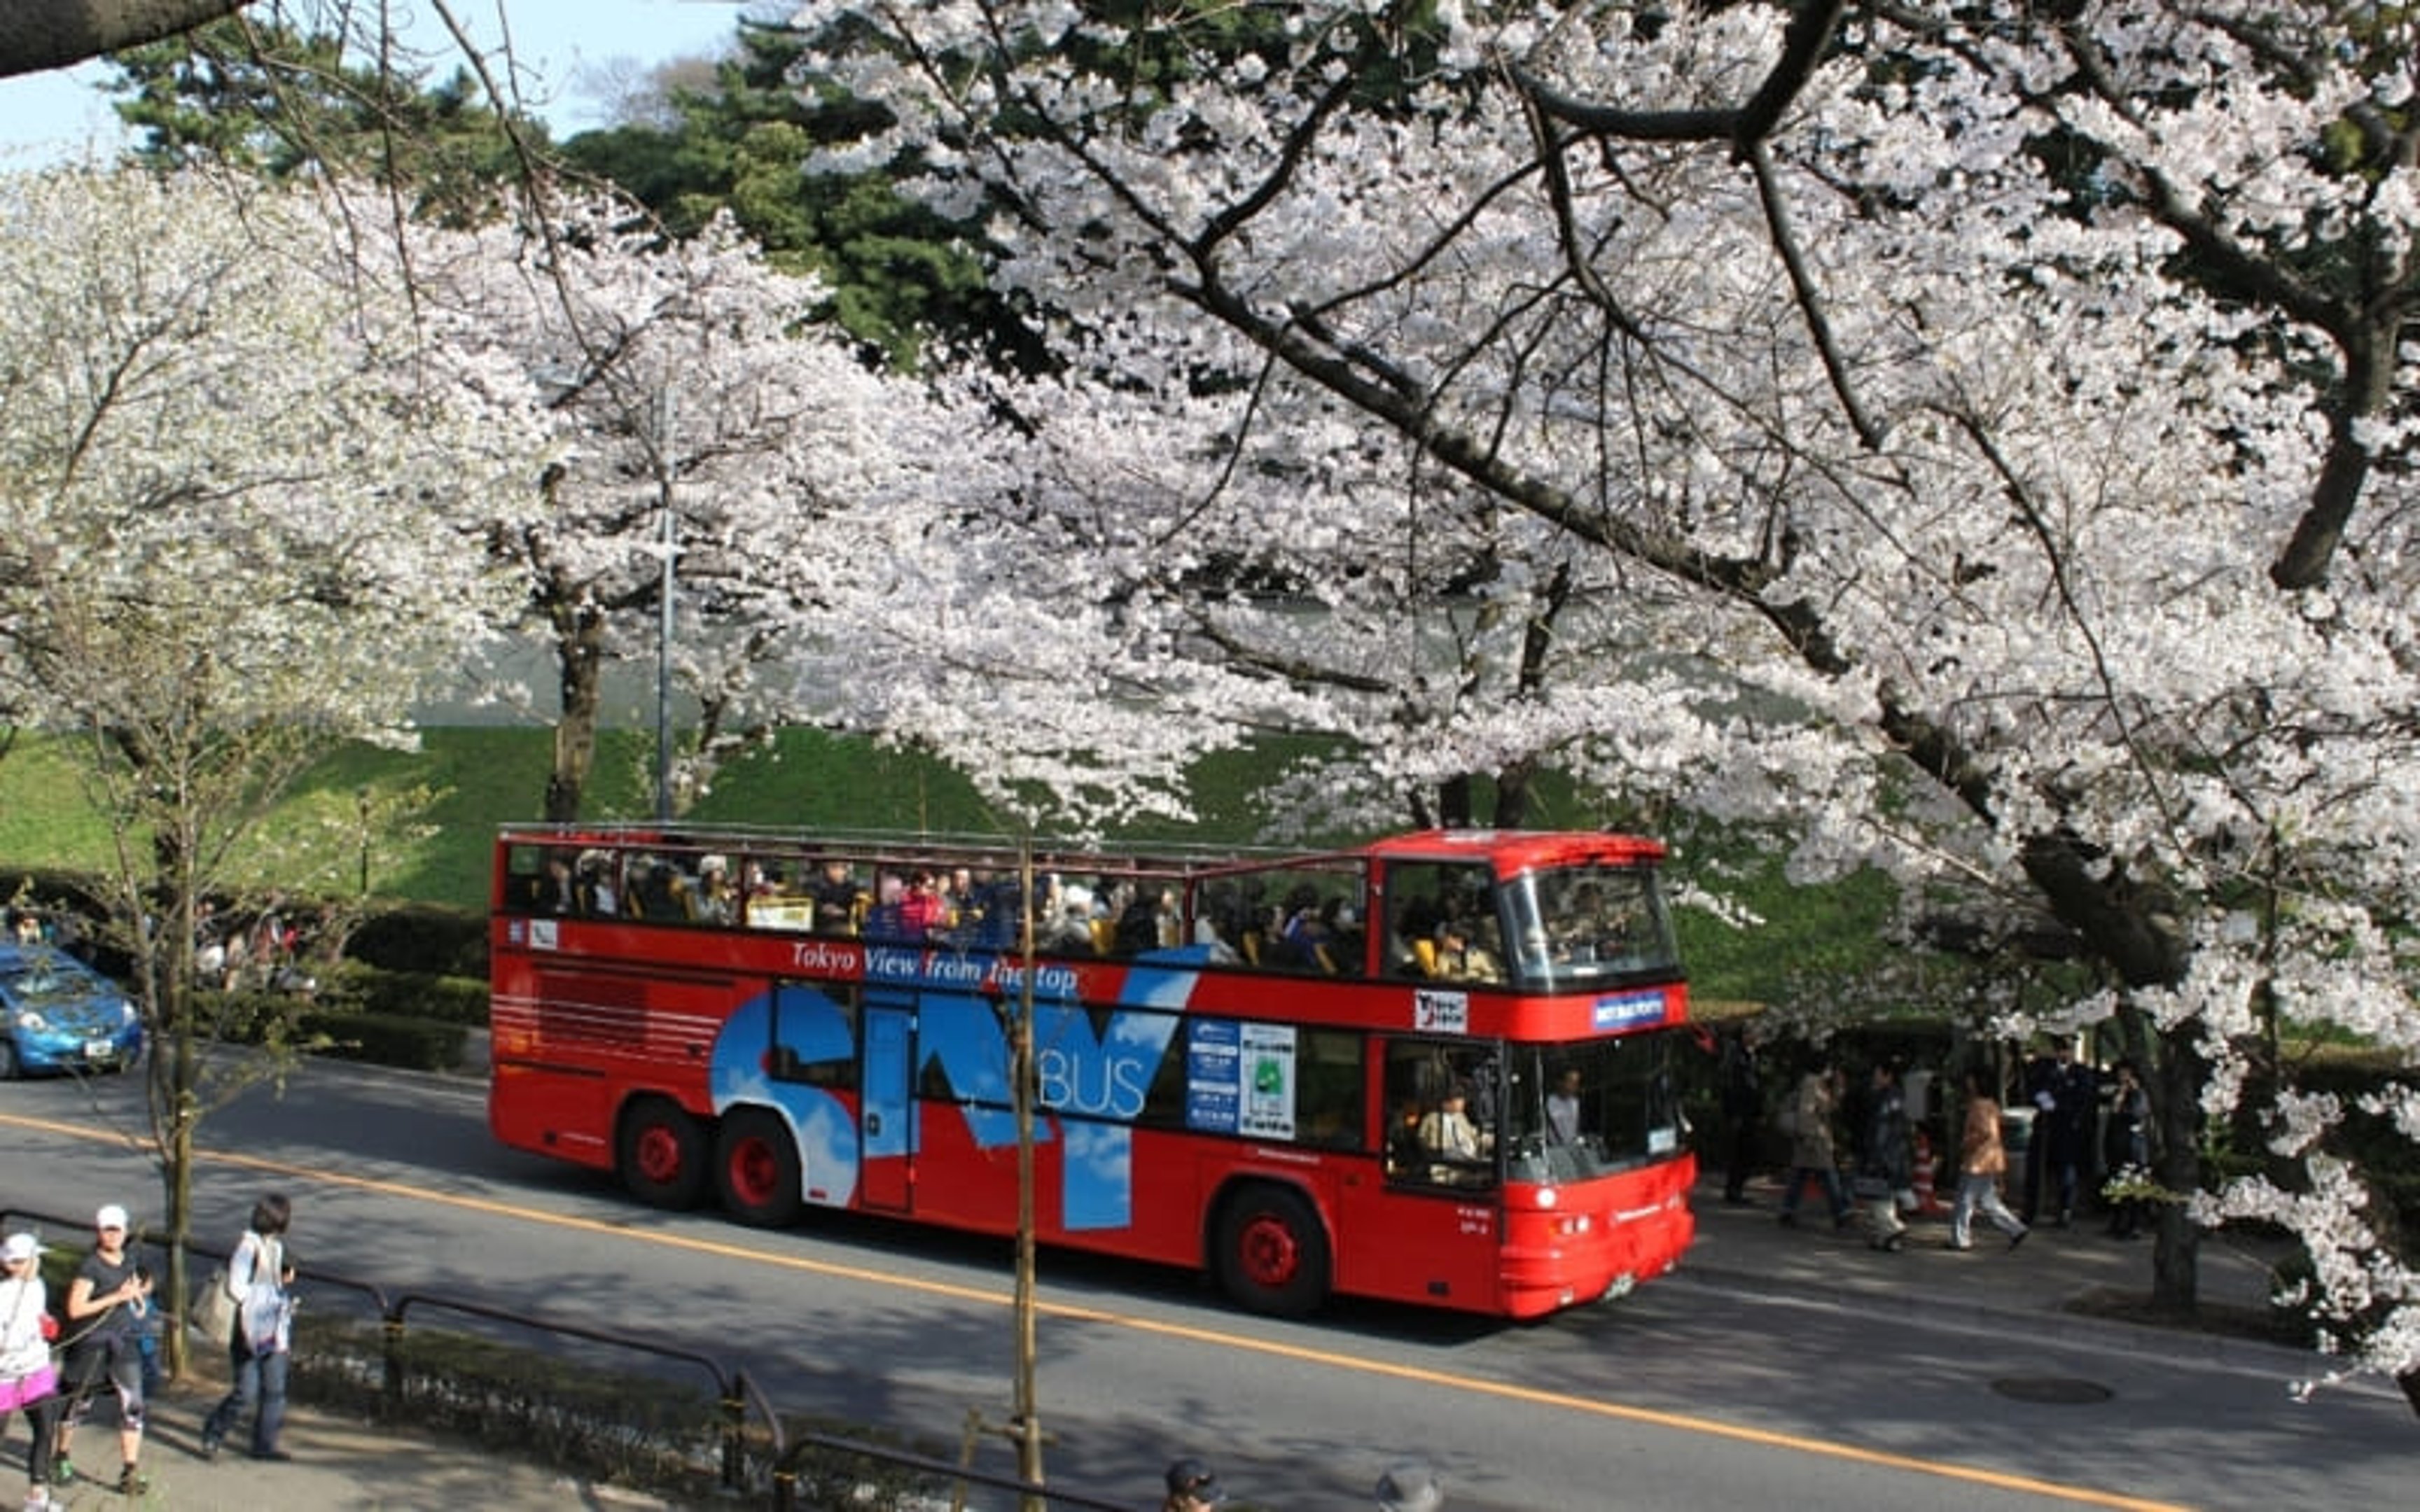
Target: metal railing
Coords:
[[738, 1399]]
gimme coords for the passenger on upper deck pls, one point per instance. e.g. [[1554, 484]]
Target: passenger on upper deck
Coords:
[[835, 894], [558, 891], [1460, 956], [599, 897], [920, 909], [718, 901]]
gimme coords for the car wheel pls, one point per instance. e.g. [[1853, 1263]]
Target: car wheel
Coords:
[[8, 1067]]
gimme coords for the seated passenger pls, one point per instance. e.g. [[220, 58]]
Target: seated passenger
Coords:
[[920, 908], [1460, 957], [558, 891], [835, 894], [598, 898], [1447, 1132], [717, 900]]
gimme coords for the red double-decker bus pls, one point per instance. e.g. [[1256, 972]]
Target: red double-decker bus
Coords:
[[1435, 1070]]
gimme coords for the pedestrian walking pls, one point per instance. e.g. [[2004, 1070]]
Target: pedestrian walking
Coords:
[[1743, 1080], [1982, 1159], [102, 1348], [261, 1275], [1886, 1159], [1811, 1150], [28, 1381]]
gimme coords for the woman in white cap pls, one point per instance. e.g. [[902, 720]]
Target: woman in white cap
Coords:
[[27, 1381], [103, 1345]]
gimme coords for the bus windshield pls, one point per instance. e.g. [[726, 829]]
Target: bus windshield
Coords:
[[1587, 925], [1577, 1111]]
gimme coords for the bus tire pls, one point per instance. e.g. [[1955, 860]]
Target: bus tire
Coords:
[[756, 1168], [1273, 1253], [661, 1153]]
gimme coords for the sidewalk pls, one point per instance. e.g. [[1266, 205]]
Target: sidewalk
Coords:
[[338, 1464], [2060, 1283]]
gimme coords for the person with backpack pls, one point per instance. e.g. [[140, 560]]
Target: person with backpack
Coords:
[[258, 1274]]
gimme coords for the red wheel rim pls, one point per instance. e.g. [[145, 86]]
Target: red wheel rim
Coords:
[[753, 1172], [1269, 1251], [659, 1153]]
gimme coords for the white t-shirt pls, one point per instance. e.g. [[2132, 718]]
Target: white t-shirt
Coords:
[[23, 1350]]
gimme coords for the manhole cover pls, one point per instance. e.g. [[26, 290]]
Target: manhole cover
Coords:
[[2055, 1391]]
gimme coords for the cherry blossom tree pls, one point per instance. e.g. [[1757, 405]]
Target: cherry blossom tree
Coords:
[[691, 401], [2010, 403], [239, 471]]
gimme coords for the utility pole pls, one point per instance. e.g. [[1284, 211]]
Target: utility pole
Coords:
[[1029, 1417]]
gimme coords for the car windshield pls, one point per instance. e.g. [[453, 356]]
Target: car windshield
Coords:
[[1581, 1110], [1589, 925], [34, 982]]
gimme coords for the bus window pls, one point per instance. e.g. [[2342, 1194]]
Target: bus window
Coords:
[[1583, 1110], [1588, 924], [815, 1036], [1328, 1088]]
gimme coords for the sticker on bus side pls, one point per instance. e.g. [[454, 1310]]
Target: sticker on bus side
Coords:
[[1441, 1013]]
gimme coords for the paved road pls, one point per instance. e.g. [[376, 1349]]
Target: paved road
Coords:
[[1747, 1274]]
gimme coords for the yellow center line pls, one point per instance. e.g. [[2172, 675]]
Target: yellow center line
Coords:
[[1506, 1391]]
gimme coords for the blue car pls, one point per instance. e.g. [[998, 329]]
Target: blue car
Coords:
[[62, 1015]]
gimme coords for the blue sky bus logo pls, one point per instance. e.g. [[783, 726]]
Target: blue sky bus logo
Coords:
[[1629, 1011]]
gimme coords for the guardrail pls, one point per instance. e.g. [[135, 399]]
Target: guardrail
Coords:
[[740, 1399]]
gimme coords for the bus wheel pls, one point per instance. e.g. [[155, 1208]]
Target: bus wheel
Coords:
[[1272, 1251], [756, 1168], [661, 1154]]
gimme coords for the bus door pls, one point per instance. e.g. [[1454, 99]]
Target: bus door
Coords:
[[886, 1112], [1439, 1205]]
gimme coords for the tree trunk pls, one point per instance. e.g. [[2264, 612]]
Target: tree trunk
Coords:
[[54, 34], [1453, 802], [2175, 1083], [580, 658], [177, 1182]]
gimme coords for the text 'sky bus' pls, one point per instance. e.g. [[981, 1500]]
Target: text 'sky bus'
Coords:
[[1432, 1069]]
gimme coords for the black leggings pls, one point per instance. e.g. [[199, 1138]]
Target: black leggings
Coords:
[[43, 1417]]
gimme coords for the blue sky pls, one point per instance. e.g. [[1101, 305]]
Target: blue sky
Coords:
[[54, 117]]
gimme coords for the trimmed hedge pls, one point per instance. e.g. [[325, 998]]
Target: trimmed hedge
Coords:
[[384, 1039], [423, 939]]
